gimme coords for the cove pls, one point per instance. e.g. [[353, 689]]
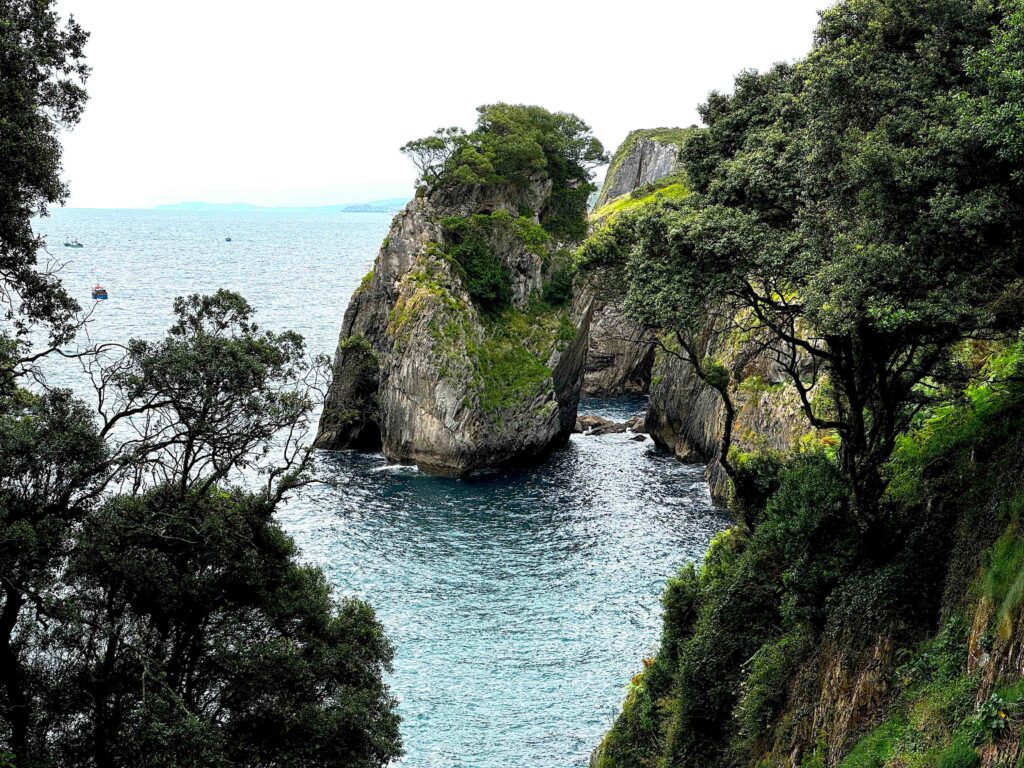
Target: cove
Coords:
[[519, 602]]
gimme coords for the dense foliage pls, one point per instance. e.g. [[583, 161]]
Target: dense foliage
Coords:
[[859, 212], [152, 612], [858, 218], [42, 73], [515, 146], [766, 636], [137, 627]]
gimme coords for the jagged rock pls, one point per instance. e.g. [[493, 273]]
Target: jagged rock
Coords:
[[639, 438], [621, 352], [588, 422], [638, 424], [416, 369], [598, 425]]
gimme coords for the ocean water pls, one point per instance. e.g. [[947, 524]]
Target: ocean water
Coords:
[[520, 603]]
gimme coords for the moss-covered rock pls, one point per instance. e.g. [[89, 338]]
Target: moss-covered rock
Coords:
[[479, 361]]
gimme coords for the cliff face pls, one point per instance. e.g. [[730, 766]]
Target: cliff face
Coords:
[[430, 377], [622, 352], [644, 157], [686, 417]]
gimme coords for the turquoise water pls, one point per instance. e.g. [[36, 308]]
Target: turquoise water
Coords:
[[520, 603]]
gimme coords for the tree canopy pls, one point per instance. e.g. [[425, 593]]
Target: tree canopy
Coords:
[[41, 92], [859, 213], [515, 145], [152, 611]]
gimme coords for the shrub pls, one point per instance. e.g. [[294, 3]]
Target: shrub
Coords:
[[558, 290], [514, 145], [487, 279]]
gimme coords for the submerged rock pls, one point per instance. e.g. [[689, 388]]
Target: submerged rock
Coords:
[[598, 425], [427, 372]]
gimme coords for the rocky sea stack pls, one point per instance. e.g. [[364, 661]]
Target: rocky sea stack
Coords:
[[461, 349]]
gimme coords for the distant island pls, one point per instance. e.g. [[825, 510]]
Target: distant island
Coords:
[[391, 205]]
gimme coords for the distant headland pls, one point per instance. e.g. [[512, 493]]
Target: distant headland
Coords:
[[392, 205]]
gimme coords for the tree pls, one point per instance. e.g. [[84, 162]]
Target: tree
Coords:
[[858, 214], [159, 610], [195, 638], [514, 145], [42, 73], [151, 610], [49, 448], [431, 154]]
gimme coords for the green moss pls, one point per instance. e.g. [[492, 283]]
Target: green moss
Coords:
[[1003, 580], [365, 281], [959, 754], [876, 748], [756, 385], [422, 287], [511, 358]]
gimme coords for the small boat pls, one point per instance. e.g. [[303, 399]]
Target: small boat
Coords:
[[73, 244], [99, 293], [227, 239]]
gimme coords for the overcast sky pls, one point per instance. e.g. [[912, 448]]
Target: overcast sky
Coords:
[[306, 102]]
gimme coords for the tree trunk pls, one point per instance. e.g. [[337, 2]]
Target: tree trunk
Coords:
[[17, 710]]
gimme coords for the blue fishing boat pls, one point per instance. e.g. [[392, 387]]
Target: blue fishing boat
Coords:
[[99, 293]]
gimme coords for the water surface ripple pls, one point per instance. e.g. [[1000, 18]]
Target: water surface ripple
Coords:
[[521, 602]]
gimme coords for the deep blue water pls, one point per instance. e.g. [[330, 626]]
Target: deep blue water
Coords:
[[520, 603]]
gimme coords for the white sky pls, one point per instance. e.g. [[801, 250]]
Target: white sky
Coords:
[[306, 102]]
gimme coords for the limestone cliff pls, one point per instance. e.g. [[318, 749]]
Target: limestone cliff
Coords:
[[427, 374]]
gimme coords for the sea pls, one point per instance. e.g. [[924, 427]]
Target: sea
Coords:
[[520, 603]]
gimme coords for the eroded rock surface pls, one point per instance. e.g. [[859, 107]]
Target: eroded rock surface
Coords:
[[425, 375]]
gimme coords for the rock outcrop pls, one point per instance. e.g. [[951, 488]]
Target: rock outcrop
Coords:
[[621, 352], [687, 417], [644, 157], [428, 376]]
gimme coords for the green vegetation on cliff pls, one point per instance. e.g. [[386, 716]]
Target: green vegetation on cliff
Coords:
[[861, 211], [796, 606], [857, 217], [513, 146], [671, 188]]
